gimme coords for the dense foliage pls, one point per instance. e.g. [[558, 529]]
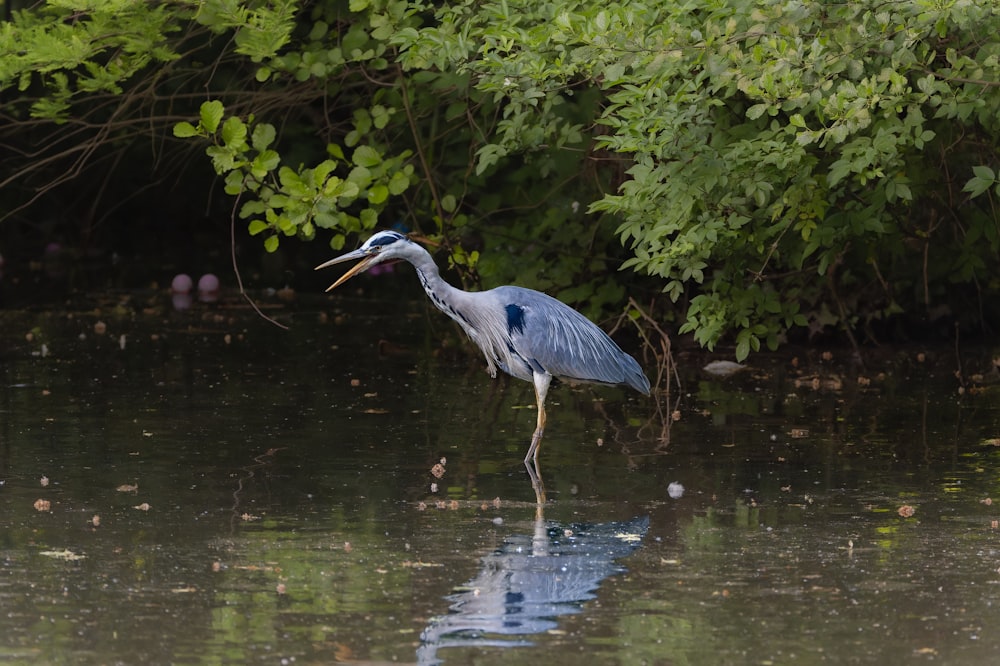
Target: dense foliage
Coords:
[[767, 166]]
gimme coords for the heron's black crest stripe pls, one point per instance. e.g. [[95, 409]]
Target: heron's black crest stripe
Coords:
[[387, 238], [515, 318]]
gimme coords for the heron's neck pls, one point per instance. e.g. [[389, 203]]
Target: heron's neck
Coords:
[[445, 297], [467, 309]]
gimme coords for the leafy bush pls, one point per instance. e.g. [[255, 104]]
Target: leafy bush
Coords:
[[792, 164], [766, 166]]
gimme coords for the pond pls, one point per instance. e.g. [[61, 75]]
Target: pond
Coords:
[[201, 487]]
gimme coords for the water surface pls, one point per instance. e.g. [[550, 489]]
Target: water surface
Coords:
[[201, 487]]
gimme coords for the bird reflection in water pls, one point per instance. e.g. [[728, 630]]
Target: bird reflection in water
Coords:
[[529, 582]]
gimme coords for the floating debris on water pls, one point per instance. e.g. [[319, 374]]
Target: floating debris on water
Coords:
[[723, 368]]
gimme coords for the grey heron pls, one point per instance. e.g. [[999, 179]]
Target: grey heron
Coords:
[[523, 332]]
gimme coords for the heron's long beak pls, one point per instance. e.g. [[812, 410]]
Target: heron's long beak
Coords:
[[367, 261]]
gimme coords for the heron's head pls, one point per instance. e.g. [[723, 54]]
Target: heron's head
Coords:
[[383, 246]]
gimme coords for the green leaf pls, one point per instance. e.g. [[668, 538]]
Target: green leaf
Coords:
[[325, 219], [222, 159], [348, 190], [271, 243], [984, 172], [488, 156], [398, 183], [366, 156], [256, 226], [268, 160], [448, 203], [369, 218], [838, 170], [319, 30], [234, 133], [756, 111], [742, 349], [183, 130], [211, 115], [292, 182], [235, 183], [360, 176], [263, 136], [380, 116], [378, 194], [976, 186], [323, 170]]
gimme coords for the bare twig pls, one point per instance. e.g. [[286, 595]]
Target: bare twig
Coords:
[[661, 348], [236, 266]]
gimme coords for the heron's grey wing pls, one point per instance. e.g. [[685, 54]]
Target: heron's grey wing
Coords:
[[548, 333]]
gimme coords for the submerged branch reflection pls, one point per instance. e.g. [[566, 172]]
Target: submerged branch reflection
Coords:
[[261, 461], [529, 582]]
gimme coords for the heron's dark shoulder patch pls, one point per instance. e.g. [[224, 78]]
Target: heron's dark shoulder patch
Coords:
[[515, 318]]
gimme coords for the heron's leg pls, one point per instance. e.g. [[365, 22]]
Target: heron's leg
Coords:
[[537, 485], [541, 381]]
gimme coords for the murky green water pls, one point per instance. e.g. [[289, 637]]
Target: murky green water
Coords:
[[180, 496]]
